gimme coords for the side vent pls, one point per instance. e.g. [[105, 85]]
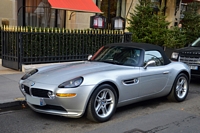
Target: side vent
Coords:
[[131, 81]]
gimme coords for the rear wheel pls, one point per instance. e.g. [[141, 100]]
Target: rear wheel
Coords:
[[180, 88], [102, 104]]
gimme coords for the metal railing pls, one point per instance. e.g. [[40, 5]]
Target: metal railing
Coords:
[[49, 45], [1, 43]]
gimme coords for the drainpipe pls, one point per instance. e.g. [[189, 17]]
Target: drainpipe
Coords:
[[165, 7]]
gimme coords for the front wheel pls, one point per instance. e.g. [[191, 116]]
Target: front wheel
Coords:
[[180, 88], [102, 104]]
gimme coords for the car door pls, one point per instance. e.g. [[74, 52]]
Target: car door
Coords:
[[128, 76], [154, 78], [129, 84]]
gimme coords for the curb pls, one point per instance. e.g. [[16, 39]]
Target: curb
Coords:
[[11, 104]]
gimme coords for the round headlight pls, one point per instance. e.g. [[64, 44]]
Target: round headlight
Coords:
[[72, 83], [174, 55]]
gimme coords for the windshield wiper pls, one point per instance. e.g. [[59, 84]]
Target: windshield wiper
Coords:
[[107, 61], [112, 62], [194, 46]]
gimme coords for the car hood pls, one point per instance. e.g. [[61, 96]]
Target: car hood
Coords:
[[56, 74], [189, 50]]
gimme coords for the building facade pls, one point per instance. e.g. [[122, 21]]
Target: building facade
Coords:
[[8, 10], [38, 13]]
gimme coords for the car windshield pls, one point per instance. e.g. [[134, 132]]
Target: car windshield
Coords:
[[196, 43], [118, 55]]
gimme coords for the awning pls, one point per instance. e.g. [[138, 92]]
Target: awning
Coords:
[[75, 5]]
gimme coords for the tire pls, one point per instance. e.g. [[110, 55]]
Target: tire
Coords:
[[180, 88], [102, 104]]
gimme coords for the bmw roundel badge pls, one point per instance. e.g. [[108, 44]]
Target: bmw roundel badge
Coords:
[[33, 83]]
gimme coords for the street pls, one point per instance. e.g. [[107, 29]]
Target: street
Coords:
[[152, 116]]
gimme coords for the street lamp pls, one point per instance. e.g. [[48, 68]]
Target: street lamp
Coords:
[[98, 22], [118, 23]]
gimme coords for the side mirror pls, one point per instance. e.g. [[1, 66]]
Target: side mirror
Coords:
[[89, 57], [150, 63]]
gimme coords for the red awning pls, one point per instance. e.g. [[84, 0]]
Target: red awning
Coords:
[[75, 5]]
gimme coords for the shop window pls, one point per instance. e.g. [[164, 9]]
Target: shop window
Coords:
[[38, 13], [112, 9]]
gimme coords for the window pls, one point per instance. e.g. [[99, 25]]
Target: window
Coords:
[[154, 55], [38, 13], [111, 9], [119, 55]]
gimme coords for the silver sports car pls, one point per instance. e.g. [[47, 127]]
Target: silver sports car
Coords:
[[116, 75]]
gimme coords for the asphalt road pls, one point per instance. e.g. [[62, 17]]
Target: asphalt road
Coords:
[[152, 116]]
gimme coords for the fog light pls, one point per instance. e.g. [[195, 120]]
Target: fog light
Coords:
[[51, 95], [66, 94], [22, 88]]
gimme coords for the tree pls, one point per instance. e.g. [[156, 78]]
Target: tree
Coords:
[[191, 22], [175, 38], [148, 25]]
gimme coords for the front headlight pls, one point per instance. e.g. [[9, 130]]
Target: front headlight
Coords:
[[174, 55], [72, 83], [29, 74]]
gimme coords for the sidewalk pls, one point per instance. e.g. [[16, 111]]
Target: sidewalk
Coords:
[[10, 94]]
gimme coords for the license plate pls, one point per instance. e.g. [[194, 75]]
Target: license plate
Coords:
[[35, 101], [194, 67]]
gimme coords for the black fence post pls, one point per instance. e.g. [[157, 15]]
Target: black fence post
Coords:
[[20, 48], [1, 42], [127, 37]]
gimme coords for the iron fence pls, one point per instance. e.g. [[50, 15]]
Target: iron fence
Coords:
[[50, 45], [10, 48], [59, 46]]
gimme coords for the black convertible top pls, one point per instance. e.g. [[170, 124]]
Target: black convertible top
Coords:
[[145, 47]]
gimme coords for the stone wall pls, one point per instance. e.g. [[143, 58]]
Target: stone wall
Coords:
[[78, 20], [8, 11]]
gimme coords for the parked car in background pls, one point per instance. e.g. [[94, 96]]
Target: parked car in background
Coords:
[[118, 74], [189, 55]]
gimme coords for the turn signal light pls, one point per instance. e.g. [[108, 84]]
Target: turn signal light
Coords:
[[66, 94]]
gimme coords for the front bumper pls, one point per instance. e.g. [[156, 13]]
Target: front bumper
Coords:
[[42, 98], [196, 73]]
